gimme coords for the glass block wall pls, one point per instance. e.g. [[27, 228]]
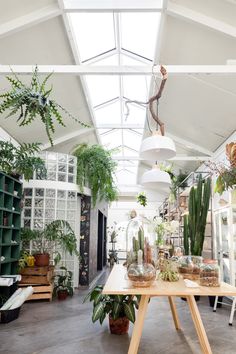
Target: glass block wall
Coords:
[[54, 198]]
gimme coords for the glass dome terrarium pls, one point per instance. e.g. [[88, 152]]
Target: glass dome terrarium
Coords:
[[189, 267], [141, 274], [209, 273]]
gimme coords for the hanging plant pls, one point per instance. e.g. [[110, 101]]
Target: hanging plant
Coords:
[[142, 199], [96, 168], [33, 101]]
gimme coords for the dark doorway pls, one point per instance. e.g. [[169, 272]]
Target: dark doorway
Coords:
[[102, 247]]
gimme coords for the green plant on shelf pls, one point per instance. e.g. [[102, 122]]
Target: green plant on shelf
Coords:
[[63, 282], [32, 101], [96, 167], [21, 160], [56, 235], [116, 306]]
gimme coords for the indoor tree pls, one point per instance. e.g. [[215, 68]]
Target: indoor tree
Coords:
[[96, 168]]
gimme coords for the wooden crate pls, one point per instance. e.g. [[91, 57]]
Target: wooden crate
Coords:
[[41, 292], [37, 275]]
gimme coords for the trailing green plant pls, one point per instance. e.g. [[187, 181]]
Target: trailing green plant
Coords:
[[63, 282], [116, 306], [195, 221], [96, 167], [142, 199], [56, 235], [32, 101], [21, 160]]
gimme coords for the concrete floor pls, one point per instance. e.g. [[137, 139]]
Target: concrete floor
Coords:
[[66, 328]]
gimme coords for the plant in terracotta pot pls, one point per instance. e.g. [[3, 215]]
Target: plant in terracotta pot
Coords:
[[63, 284], [47, 242], [120, 308]]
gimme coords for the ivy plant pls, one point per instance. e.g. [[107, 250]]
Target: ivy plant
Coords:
[[142, 199], [33, 101], [96, 168], [116, 306]]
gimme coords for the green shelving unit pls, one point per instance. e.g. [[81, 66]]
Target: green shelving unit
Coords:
[[10, 223]]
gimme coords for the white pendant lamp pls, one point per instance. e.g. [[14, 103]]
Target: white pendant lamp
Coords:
[[156, 179], [157, 148]]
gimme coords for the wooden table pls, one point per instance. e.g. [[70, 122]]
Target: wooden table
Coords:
[[118, 283]]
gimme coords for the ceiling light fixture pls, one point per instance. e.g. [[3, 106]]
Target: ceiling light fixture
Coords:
[[156, 179]]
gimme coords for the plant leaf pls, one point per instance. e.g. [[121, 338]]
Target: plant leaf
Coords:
[[98, 311], [129, 312]]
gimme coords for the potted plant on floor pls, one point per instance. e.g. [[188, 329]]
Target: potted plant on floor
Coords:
[[120, 308], [47, 242], [63, 284]]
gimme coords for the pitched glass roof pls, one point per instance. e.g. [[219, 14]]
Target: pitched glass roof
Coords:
[[127, 38]]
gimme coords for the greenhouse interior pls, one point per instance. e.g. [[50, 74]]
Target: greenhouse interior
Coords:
[[117, 176]]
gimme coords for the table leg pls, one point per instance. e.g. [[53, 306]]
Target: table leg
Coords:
[[206, 349], [174, 312], [138, 325]]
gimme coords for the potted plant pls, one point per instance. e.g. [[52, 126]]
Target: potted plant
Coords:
[[33, 100], [21, 161], [63, 284], [56, 235], [142, 199], [96, 167], [119, 308]]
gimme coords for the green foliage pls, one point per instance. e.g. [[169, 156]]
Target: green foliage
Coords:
[[22, 262], [96, 167], [21, 160], [226, 180], [142, 199], [33, 101], [56, 235], [63, 281], [195, 223], [176, 180], [115, 305]]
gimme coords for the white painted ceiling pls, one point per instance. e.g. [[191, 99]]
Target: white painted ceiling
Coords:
[[196, 108]]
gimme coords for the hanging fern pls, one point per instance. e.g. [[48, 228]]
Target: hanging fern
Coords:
[[33, 101], [96, 167]]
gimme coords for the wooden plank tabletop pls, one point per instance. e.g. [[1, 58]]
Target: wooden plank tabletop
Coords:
[[117, 283]]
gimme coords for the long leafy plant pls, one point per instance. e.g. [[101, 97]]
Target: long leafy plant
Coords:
[[116, 306], [21, 160], [32, 101], [56, 237], [96, 167]]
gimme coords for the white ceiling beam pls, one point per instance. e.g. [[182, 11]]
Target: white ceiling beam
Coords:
[[190, 15], [176, 158], [29, 20], [72, 135], [114, 5], [119, 70], [120, 126], [189, 145]]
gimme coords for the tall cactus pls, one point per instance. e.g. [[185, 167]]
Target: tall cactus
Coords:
[[195, 223]]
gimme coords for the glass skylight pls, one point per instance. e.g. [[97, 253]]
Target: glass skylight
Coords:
[[94, 33], [118, 39]]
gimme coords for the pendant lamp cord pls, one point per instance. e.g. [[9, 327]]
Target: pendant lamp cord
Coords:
[[151, 101]]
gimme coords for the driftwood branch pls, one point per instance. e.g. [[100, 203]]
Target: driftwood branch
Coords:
[[156, 98]]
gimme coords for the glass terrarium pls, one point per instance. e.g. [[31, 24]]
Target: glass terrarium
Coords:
[[141, 274], [209, 273], [189, 267]]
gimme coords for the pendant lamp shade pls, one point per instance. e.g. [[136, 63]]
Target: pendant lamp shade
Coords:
[[156, 179], [157, 148]]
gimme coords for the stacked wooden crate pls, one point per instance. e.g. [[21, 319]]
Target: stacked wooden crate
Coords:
[[41, 279]]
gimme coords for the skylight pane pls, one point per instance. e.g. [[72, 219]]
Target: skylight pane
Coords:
[[94, 33], [112, 139], [111, 60], [136, 114], [136, 87], [109, 114], [130, 152], [132, 139], [126, 176], [139, 32], [102, 88]]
